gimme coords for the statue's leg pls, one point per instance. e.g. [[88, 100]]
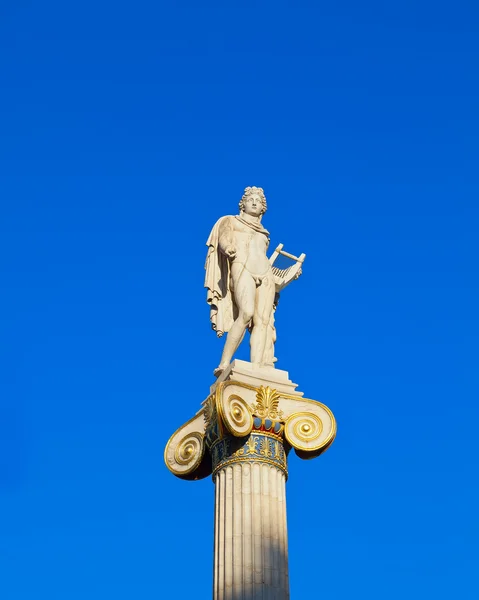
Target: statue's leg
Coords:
[[244, 294], [268, 356], [261, 318]]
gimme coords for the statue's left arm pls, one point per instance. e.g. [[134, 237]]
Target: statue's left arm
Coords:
[[283, 277]]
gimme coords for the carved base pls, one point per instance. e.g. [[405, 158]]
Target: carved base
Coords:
[[246, 372]]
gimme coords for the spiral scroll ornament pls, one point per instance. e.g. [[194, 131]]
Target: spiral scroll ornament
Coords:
[[236, 415], [303, 431], [186, 455]]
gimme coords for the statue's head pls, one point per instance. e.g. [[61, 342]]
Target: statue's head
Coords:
[[253, 201]]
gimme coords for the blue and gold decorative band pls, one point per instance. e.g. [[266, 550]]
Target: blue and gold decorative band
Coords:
[[259, 447]]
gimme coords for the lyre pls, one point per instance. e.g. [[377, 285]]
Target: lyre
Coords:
[[283, 277]]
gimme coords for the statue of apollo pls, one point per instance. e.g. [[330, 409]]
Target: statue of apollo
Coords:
[[242, 284]]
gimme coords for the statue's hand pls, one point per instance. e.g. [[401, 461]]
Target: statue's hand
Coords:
[[230, 252], [299, 273]]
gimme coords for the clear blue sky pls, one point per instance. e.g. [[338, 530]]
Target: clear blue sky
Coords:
[[127, 129]]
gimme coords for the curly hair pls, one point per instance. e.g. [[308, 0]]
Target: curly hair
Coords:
[[254, 190]]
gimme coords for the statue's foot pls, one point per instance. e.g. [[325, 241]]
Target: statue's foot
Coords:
[[217, 372]]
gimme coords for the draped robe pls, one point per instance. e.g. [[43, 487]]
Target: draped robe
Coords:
[[219, 295]]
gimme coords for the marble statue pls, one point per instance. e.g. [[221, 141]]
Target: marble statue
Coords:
[[242, 284]]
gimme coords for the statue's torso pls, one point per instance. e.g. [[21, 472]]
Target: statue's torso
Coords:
[[251, 249]]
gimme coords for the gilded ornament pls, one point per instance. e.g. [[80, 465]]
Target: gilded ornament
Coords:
[[209, 410], [267, 404], [258, 448], [281, 465], [183, 457], [235, 414], [251, 445], [303, 431], [265, 449], [277, 452]]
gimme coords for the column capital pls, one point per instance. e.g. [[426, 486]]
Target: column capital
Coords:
[[242, 422]]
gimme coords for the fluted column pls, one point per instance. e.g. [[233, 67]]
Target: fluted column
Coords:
[[251, 554]]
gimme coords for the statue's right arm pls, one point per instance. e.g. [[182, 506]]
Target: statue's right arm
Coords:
[[226, 239]]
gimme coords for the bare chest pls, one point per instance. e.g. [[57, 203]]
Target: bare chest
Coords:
[[244, 232], [245, 236]]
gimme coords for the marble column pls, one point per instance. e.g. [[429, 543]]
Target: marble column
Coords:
[[251, 550], [241, 436]]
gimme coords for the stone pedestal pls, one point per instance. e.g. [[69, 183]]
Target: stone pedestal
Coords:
[[245, 372], [242, 436]]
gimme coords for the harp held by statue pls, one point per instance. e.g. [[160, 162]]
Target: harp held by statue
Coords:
[[286, 267]]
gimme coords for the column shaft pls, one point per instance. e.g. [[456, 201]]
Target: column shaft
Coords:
[[251, 559]]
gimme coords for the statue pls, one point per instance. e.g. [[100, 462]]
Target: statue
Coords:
[[242, 284]]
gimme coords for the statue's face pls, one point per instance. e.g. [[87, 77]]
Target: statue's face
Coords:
[[253, 205]]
